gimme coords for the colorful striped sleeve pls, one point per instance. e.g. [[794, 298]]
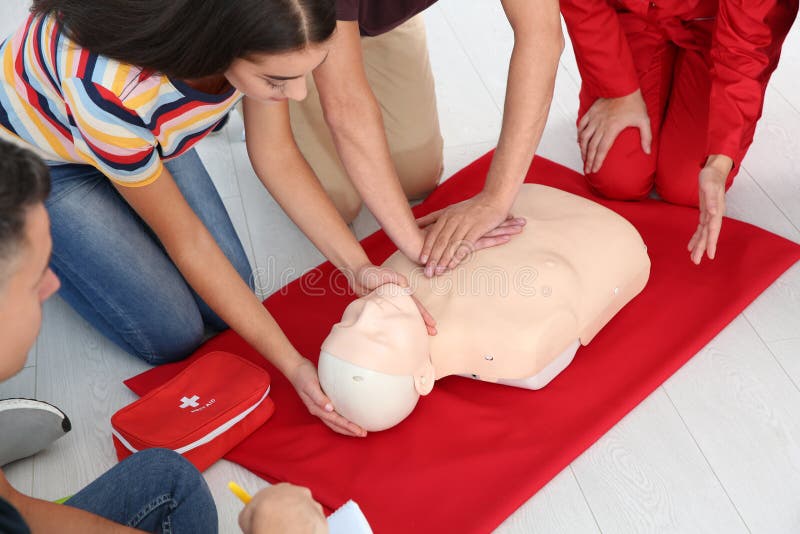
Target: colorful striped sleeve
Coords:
[[110, 136]]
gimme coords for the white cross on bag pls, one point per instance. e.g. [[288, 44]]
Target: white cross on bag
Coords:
[[187, 402]]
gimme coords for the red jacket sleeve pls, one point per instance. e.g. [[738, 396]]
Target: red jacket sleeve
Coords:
[[745, 49], [601, 48]]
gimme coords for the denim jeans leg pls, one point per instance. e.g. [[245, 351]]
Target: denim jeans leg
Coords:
[[193, 180], [113, 271], [155, 490]]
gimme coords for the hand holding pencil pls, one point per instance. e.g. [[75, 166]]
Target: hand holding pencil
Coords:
[[282, 508]]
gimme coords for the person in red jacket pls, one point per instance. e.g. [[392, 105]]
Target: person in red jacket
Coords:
[[670, 97]]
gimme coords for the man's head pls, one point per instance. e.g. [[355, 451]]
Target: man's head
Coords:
[[26, 280]]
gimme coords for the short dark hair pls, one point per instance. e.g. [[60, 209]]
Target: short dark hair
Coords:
[[189, 39], [24, 183]]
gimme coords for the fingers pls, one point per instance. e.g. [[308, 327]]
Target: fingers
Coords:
[[430, 322], [459, 239], [646, 134], [697, 244], [434, 266], [587, 117], [431, 237], [333, 420], [701, 241], [504, 230], [488, 242], [513, 221], [607, 141], [465, 246], [715, 227], [591, 152], [509, 228], [712, 209], [695, 238], [584, 137], [464, 249], [352, 431], [430, 218], [700, 248], [317, 397]]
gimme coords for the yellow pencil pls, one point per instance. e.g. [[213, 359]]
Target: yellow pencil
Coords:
[[239, 492]]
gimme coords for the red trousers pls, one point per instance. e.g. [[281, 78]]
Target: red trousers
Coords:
[[676, 86]]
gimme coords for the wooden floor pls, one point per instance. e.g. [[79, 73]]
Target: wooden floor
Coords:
[[715, 449]]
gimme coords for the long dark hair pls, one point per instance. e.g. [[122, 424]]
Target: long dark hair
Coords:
[[187, 39]]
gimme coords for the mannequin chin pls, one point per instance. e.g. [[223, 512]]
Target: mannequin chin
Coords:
[[513, 315], [375, 400]]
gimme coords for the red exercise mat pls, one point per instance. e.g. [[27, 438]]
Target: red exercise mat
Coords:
[[472, 452]]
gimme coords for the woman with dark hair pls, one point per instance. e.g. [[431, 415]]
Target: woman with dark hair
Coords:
[[114, 94]]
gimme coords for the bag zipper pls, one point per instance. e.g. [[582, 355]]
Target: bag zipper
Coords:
[[205, 439]]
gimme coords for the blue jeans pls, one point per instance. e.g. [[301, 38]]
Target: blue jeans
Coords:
[[115, 272], [155, 490]]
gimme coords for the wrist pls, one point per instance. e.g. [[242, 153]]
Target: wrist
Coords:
[[720, 163], [411, 245], [289, 361], [497, 198], [352, 265]]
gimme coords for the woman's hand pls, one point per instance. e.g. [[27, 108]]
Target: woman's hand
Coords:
[[370, 277], [603, 122], [452, 233], [303, 377], [712, 207], [283, 509]]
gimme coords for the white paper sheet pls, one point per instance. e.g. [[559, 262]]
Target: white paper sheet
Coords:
[[348, 519]]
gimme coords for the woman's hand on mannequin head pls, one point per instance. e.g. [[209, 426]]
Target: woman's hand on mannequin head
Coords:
[[370, 277], [454, 232], [603, 122], [711, 188], [305, 380]]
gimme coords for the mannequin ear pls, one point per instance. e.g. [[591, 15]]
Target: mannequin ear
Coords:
[[424, 378]]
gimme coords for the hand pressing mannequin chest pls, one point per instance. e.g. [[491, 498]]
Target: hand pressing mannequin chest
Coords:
[[513, 314]]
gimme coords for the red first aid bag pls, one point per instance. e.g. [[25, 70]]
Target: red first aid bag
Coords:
[[202, 413]]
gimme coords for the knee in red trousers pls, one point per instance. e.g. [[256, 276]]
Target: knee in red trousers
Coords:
[[677, 179], [627, 172]]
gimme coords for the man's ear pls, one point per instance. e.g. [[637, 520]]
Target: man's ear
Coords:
[[424, 378]]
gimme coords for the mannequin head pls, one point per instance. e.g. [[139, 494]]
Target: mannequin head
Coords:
[[376, 362]]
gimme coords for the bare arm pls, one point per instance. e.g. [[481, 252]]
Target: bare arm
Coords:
[[285, 173], [538, 42], [355, 120], [43, 516], [200, 260], [196, 254]]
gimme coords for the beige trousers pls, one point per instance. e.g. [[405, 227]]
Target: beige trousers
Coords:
[[399, 73]]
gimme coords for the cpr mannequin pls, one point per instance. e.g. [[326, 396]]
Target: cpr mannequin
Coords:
[[514, 314]]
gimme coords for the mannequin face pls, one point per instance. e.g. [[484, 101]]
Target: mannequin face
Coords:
[[384, 332], [375, 363]]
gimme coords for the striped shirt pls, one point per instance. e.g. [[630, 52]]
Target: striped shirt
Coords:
[[72, 106]]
